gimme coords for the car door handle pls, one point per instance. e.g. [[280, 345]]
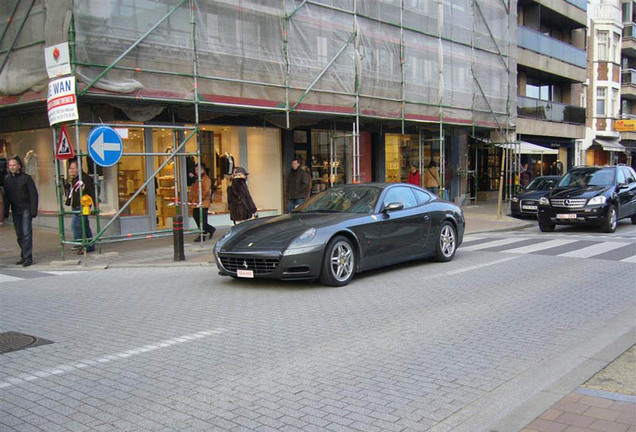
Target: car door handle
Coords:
[[426, 217]]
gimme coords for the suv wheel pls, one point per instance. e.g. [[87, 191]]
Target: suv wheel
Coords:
[[634, 219], [546, 227], [611, 220]]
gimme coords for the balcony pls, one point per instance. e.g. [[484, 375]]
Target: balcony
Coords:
[[628, 44], [628, 83], [549, 111], [548, 46]]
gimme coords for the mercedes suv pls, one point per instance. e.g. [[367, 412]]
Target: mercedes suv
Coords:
[[599, 196]]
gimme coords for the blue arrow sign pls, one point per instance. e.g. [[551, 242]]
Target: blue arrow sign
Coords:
[[105, 146]]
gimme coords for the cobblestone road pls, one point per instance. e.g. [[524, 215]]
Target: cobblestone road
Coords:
[[424, 346]]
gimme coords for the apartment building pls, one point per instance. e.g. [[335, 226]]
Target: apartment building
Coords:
[[552, 61], [627, 123], [602, 145]]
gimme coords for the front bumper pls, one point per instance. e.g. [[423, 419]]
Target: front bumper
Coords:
[[294, 264], [524, 208], [583, 216]]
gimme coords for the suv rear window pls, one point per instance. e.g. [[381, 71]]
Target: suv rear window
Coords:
[[588, 177]]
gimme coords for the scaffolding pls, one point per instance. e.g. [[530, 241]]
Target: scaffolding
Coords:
[[434, 64]]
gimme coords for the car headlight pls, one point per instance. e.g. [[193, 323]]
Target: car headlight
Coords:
[[223, 238], [598, 200], [544, 201], [303, 239], [515, 199]]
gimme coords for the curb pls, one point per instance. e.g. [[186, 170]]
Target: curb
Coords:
[[519, 227]]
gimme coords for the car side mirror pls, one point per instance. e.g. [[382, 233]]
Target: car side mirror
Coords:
[[391, 207]]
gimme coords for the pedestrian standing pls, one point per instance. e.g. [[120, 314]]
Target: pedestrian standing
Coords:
[[526, 175], [239, 200], [414, 176], [21, 197], [298, 186], [3, 174], [431, 178], [200, 211], [75, 190]]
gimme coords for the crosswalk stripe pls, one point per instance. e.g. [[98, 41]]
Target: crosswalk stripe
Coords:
[[490, 244], [6, 278], [539, 246], [590, 251], [631, 259]]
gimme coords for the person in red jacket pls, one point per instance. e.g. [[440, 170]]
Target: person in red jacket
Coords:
[[414, 176]]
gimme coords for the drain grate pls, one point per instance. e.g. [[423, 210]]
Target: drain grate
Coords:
[[14, 341]]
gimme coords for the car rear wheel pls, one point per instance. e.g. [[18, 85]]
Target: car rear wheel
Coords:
[[447, 242], [611, 220], [634, 220], [339, 262], [546, 227]]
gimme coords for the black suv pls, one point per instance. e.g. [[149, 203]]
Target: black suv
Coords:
[[590, 195]]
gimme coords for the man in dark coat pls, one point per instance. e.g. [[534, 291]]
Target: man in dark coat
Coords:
[[298, 186], [74, 193], [21, 196]]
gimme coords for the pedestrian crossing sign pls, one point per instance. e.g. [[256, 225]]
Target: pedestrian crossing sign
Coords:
[[64, 147]]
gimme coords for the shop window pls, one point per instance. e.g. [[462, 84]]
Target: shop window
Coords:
[[131, 174]]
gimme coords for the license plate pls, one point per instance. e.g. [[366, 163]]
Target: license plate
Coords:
[[529, 207], [245, 273], [566, 216]]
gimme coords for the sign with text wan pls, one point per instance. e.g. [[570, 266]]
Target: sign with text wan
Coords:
[[61, 101]]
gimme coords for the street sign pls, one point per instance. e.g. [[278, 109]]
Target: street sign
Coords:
[[61, 103], [64, 148], [57, 62], [105, 146]]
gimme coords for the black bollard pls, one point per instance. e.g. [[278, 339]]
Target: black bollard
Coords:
[[177, 236]]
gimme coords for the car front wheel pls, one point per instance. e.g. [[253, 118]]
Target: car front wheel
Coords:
[[446, 243], [339, 262], [546, 227], [611, 220]]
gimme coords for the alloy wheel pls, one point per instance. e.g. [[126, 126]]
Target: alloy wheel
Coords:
[[447, 240], [341, 261], [613, 219]]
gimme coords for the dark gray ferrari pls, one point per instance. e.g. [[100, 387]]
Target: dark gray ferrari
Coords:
[[342, 231]]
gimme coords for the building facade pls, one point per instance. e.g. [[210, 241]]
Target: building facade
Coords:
[[360, 90], [601, 145], [551, 71], [627, 127]]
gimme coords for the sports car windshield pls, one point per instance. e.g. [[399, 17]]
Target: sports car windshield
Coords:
[[588, 177], [357, 199]]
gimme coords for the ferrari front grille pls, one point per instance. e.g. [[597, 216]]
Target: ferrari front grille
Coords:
[[569, 203], [260, 266]]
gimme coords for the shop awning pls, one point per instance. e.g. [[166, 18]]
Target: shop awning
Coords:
[[525, 147], [610, 145]]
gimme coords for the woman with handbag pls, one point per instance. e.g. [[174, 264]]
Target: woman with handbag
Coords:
[[431, 178], [239, 200]]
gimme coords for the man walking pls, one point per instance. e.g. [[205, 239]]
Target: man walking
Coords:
[[74, 193], [21, 196], [298, 183]]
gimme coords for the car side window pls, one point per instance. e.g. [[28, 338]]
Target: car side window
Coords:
[[422, 197], [620, 176], [630, 175], [400, 194]]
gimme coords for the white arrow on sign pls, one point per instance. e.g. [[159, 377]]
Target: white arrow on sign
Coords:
[[99, 146]]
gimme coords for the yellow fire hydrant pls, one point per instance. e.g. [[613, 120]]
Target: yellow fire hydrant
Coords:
[[86, 202]]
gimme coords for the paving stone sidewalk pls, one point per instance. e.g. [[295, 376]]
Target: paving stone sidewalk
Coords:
[[606, 403]]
